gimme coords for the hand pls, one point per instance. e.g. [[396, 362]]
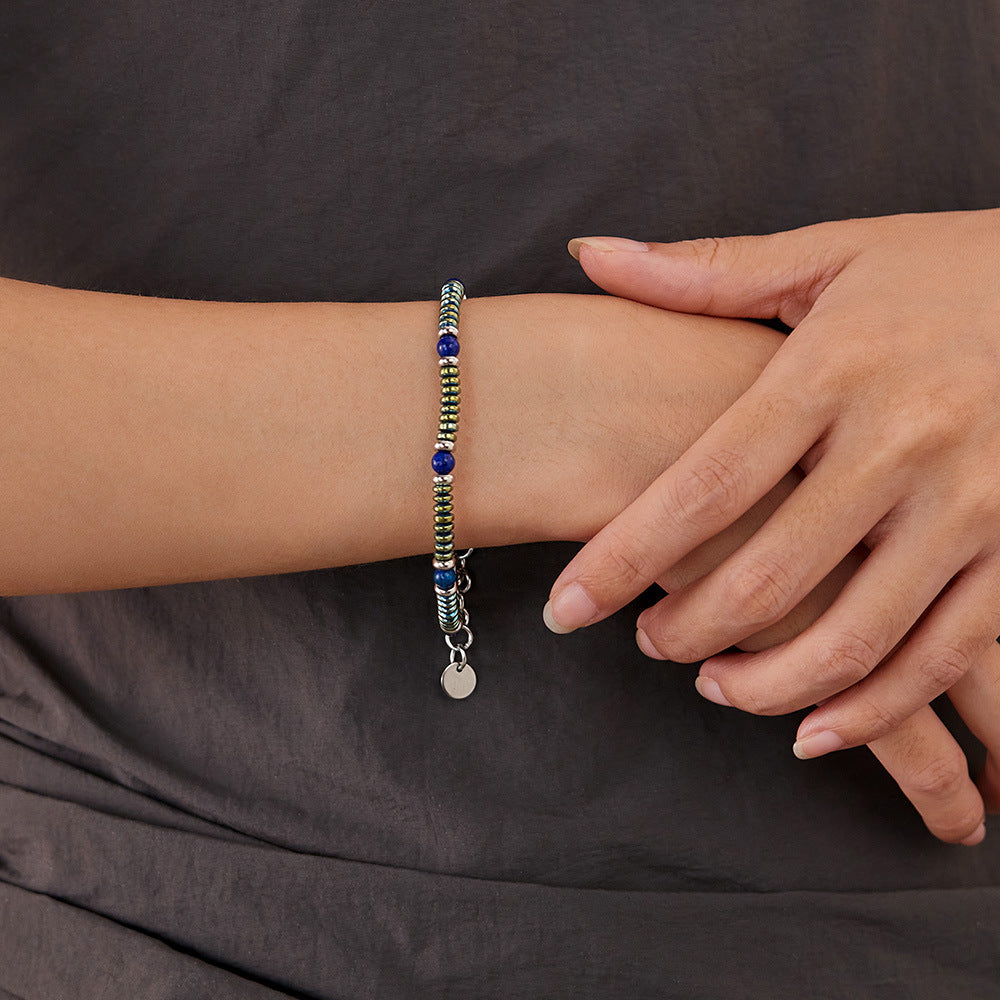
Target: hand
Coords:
[[920, 754], [613, 426], [886, 392]]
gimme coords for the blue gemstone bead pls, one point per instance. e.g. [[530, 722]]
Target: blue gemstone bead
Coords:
[[443, 462], [448, 345], [445, 578]]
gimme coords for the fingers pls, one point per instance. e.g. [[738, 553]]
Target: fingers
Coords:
[[780, 275], [775, 570], [932, 772], [956, 635], [867, 619], [977, 698], [735, 462]]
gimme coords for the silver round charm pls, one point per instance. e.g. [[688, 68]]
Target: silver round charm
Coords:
[[458, 683]]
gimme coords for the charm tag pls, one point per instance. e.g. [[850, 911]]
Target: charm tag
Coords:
[[458, 682]]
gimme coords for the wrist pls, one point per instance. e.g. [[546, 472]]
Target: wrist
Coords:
[[508, 460]]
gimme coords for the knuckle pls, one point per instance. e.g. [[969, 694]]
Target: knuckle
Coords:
[[958, 823], [706, 250], [712, 489], [761, 591], [755, 703], [878, 720], [942, 418], [838, 374], [679, 648], [708, 254], [626, 563], [939, 777], [946, 666], [760, 696], [848, 660]]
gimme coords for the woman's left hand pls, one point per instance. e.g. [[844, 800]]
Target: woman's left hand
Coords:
[[887, 392]]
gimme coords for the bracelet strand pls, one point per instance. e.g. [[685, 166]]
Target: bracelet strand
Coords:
[[451, 578]]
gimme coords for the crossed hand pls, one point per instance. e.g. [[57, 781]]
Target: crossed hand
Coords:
[[886, 395]]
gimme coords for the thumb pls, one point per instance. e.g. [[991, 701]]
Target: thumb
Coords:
[[780, 275]]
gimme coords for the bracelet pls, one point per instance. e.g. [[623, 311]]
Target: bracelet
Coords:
[[451, 578]]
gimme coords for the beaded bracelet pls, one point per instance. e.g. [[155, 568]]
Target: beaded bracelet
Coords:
[[451, 579]]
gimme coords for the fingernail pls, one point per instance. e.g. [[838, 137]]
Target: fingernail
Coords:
[[550, 622], [607, 244], [977, 837], [816, 745], [711, 691], [642, 641], [569, 609]]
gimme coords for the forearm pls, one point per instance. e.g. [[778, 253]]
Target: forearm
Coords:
[[147, 441], [150, 441]]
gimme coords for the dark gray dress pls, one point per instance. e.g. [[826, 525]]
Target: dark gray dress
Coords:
[[254, 788]]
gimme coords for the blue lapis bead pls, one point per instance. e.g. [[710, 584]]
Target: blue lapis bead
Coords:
[[445, 578], [443, 462], [448, 345]]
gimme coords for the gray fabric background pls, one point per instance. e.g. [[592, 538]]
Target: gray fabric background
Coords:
[[253, 788]]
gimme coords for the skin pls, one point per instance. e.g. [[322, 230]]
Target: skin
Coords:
[[170, 440], [148, 441], [885, 395]]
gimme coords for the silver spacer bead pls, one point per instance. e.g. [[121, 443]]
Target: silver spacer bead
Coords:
[[448, 359], [444, 446], [443, 479], [444, 563], [453, 589], [443, 330]]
